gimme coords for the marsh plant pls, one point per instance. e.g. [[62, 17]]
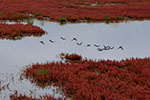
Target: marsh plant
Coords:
[[31, 22], [107, 18], [1, 13], [43, 71], [62, 20], [120, 17]]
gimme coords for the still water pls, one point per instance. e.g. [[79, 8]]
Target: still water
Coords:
[[134, 37]]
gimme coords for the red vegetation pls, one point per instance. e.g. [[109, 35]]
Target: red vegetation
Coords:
[[23, 97], [75, 10], [17, 31], [97, 80], [70, 57]]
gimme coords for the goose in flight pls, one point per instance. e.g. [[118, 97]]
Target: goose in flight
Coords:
[[88, 45], [99, 49], [96, 45], [42, 42], [62, 38], [120, 47], [51, 41], [106, 47], [79, 43], [74, 39]]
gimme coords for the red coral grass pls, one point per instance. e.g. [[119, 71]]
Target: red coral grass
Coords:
[[73, 57], [70, 57], [21, 97], [24, 97], [75, 10], [97, 80], [18, 31]]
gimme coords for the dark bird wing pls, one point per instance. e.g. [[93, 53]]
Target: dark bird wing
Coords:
[[79, 43], [51, 41], [42, 42], [99, 49], [106, 47], [96, 45], [62, 38], [88, 45], [120, 47], [74, 39]]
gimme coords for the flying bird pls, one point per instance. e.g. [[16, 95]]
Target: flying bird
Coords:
[[96, 45], [62, 38], [79, 43], [120, 47], [74, 39], [42, 42], [99, 49], [51, 41], [106, 47], [88, 45]]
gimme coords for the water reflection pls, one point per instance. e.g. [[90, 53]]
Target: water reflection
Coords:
[[127, 40], [11, 84]]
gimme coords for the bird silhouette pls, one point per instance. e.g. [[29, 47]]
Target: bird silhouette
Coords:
[[42, 42], [99, 49], [79, 43], [106, 47], [120, 47], [88, 45], [51, 41], [62, 38], [74, 39], [96, 45]]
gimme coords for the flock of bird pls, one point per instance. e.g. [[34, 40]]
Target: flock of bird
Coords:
[[87, 45]]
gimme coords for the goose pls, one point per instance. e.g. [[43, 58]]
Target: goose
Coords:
[[79, 43], [62, 38], [74, 39], [42, 42], [88, 45], [96, 45], [106, 47], [99, 49], [51, 41], [120, 47]]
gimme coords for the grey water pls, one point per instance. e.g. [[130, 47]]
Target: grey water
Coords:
[[133, 36]]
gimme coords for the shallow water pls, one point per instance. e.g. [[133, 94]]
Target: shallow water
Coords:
[[14, 55]]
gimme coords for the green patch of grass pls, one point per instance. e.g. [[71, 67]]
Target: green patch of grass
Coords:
[[37, 14], [1, 13], [120, 17], [62, 19], [43, 71], [30, 22], [107, 18]]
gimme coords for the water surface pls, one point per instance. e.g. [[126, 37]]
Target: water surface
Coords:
[[14, 55]]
